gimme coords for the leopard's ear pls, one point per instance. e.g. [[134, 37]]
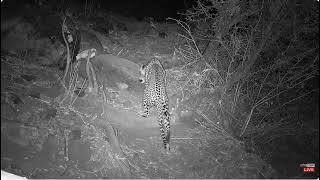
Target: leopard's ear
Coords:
[[141, 65]]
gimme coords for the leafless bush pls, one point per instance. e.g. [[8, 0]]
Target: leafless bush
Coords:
[[257, 56]]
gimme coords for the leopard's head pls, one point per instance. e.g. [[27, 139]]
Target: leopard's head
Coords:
[[142, 71]]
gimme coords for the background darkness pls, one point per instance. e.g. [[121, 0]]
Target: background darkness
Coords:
[[287, 152], [139, 9]]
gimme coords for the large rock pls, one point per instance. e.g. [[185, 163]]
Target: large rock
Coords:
[[123, 91]]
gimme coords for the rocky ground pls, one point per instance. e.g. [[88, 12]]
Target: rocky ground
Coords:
[[50, 129]]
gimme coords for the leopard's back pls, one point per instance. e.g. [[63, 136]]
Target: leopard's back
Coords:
[[155, 85]]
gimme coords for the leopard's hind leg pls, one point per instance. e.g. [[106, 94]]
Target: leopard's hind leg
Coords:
[[145, 106]]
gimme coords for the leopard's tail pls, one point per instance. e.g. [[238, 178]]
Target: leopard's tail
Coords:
[[164, 123]]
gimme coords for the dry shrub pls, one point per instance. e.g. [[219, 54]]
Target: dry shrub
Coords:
[[248, 66]]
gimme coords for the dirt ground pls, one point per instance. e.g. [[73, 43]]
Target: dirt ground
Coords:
[[51, 131]]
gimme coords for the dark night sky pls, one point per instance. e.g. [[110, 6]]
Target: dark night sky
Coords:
[[159, 9], [156, 8]]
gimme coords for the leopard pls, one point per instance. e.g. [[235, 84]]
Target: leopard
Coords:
[[153, 76]]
